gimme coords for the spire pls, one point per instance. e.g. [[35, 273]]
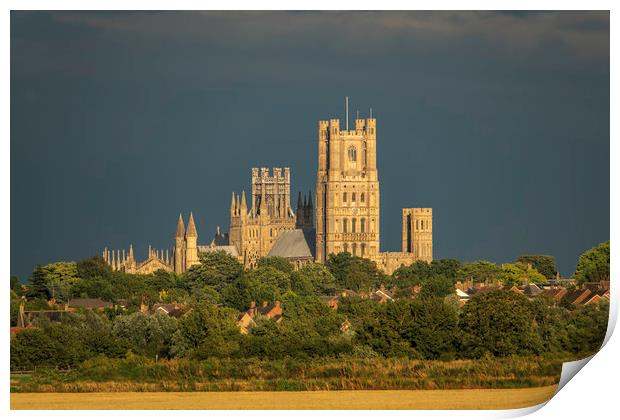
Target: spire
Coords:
[[299, 201], [244, 205], [309, 199], [237, 205], [232, 204], [131, 252], [191, 227], [180, 229]]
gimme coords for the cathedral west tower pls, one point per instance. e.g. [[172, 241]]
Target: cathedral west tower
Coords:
[[347, 190]]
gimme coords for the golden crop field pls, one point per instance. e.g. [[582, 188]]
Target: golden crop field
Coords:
[[469, 399]]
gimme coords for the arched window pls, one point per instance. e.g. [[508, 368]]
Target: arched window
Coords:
[[344, 226], [363, 249], [353, 197], [362, 225], [352, 152], [344, 197], [362, 197], [354, 246], [346, 247], [353, 225], [417, 226]]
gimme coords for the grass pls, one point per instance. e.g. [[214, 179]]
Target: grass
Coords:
[[471, 399], [136, 374]]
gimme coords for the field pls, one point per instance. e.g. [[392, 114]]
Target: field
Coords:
[[468, 399]]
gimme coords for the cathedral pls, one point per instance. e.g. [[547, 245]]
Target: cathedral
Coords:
[[347, 214]]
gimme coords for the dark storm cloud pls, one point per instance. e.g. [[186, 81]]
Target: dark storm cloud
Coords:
[[498, 120]]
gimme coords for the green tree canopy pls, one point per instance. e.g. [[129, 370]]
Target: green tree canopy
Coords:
[[279, 263], [593, 265], [479, 271], [207, 331], [544, 264], [500, 323], [516, 274], [437, 286], [354, 273], [313, 279], [216, 269], [145, 334]]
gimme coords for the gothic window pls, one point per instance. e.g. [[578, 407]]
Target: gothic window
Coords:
[[353, 197], [363, 250], [354, 246], [344, 197], [346, 247], [352, 152], [417, 226], [362, 197], [344, 226], [353, 225], [362, 225]]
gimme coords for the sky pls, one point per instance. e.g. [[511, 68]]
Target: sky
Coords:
[[122, 120]]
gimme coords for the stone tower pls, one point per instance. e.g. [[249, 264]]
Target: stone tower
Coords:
[[347, 190], [418, 233], [179, 247], [191, 243]]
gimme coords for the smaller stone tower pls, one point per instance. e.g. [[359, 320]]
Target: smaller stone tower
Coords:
[[417, 233]]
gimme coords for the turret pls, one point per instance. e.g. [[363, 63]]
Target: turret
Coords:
[[244, 205], [179, 248], [191, 243]]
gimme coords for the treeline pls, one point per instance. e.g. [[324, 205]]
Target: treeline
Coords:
[[426, 325], [499, 323]]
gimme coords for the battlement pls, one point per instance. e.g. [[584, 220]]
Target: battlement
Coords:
[[267, 175], [428, 211], [363, 126]]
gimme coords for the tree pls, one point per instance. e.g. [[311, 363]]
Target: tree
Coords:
[[94, 267], [207, 331], [354, 273], [593, 265], [313, 278], [148, 335], [279, 263], [37, 284], [479, 271], [16, 286], [216, 269], [544, 264], [437, 286], [516, 274], [447, 268], [500, 323]]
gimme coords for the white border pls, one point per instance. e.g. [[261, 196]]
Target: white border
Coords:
[[592, 395]]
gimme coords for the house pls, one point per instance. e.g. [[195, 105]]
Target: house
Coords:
[[88, 303], [331, 301], [245, 320], [463, 297], [171, 309], [531, 290], [382, 295], [555, 293]]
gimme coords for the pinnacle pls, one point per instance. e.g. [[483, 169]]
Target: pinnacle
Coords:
[[180, 227], [191, 227]]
